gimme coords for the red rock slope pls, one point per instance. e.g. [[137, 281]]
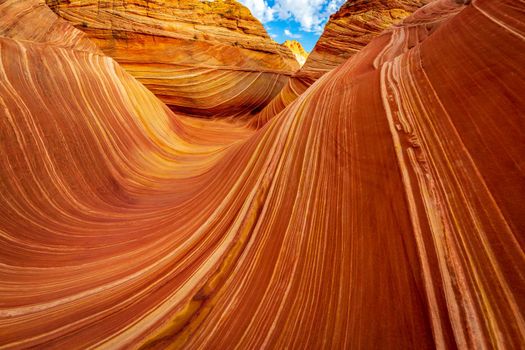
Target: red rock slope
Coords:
[[382, 209], [349, 30], [203, 58]]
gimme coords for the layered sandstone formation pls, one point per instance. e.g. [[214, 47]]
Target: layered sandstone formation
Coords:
[[202, 58], [297, 49], [34, 21], [383, 208], [347, 32]]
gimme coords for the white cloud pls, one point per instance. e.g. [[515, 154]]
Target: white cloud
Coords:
[[333, 6], [291, 35], [259, 9], [310, 14]]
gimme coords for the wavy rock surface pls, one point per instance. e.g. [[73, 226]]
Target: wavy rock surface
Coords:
[[203, 58], [34, 21], [347, 32], [381, 209], [297, 49]]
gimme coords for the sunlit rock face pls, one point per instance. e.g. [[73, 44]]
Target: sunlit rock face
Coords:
[[348, 31], [297, 49], [382, 209], [202, 58]]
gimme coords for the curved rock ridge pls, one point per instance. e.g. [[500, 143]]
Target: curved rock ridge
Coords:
[[18, 20], [348, 31], [297, 49], [381, 209], [202, 58]]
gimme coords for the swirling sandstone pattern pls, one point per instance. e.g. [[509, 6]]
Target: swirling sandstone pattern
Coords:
[[348, 31], [19, 18], [383, 208], [202, 58]]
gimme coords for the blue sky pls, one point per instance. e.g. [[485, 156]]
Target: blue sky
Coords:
[[302, 20]]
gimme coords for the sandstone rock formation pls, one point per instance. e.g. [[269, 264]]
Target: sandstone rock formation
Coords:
[[383, 208], [34, 21], [298, 50], [348, 31], [203, 58]]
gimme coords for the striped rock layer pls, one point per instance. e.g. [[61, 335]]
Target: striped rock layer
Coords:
[[383, 208], [347, 32], [201, 58]]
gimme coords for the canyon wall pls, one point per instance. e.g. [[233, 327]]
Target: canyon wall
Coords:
[[201, 58]]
